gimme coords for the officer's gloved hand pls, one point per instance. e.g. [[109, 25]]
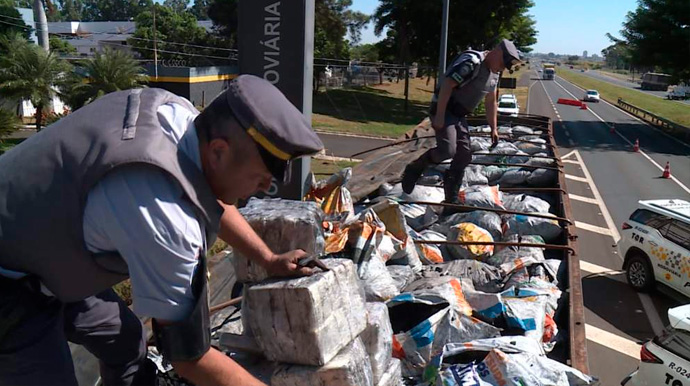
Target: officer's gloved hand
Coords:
[[285, 264], [494, 138]]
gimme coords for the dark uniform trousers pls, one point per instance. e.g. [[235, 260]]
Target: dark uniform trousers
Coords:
[[453, 141], [34, 351]]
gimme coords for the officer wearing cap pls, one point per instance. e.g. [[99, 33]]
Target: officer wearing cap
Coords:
[[473, 75], [137, 184]]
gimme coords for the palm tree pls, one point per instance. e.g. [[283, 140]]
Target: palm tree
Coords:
[[108, 71], [9, 122], [29, 72]]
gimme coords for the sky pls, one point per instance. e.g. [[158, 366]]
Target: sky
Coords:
[[564, 27]]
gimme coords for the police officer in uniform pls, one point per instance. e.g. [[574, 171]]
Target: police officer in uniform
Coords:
[[137, 184], [472, 76]]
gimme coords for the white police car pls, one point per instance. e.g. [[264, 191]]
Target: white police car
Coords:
[[655, 245], [665, 360]]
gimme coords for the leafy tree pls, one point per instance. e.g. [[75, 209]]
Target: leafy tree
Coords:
[[200, 9], [658, 35], [9, 122], [7, 9], [23, 3], [71, 10], [417, 25], [176, 5], [27, 71], [365, 53], [178, 37], [224, 13], [108, 71], [113, 10], [617, 55], [61, 46]]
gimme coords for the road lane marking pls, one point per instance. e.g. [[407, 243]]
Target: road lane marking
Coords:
[[576, 178], [636, 118], [604, 210], [593, 228], [594, 268], [582, 199], [674, 179], [618, 343], [569, 161], [570, 154]]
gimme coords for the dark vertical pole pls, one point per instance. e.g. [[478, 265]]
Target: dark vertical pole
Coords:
[[276, 42], [407, 86], [203, 99], [444, 38]]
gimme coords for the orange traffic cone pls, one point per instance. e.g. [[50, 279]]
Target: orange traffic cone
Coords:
[[612, 128], [636, 147], [667, 171], [583, 106]]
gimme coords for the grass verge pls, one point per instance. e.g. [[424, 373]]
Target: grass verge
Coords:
[[674, 111], [374, 110]]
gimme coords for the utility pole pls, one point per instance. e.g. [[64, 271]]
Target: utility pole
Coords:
[[155, 49], [40, 18], [444, 39]]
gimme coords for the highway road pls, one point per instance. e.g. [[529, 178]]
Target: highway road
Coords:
[[605, 180], [618, 82]]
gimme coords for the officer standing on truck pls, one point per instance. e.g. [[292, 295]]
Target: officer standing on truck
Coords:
[[472, 76], [136, 184]]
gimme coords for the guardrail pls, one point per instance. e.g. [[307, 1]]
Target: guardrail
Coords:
[[674, 128]]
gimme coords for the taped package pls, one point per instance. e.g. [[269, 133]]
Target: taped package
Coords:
[[308, 320], [350, 367], [525, 203], [284, 225], [378, 339]]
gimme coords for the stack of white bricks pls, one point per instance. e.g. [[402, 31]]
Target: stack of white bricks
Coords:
[[284, 225], [318, 328]]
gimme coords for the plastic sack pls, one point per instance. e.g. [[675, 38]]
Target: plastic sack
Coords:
[[469, 353], [429, 253], [499, 368], [504, 255], [542, 178], [402, 275], [365, 237], [514, 176], [487, 220], [531, 138], [484, 277], [541, 161], [531, 148], [420, 193], [424, 323], [391, 215], [505, 130], [525, 203], [474, 176], [335, 200], [481, 197], [466, 231], [519, 224], [419, 217], [522, 130], [479, 129], [480, 143], [527, 314], [494, 173], [459, 293]]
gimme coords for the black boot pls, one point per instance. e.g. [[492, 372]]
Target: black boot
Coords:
[[451, 188], [413, 171]]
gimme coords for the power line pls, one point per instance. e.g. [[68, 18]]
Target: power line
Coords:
[[175, 52]]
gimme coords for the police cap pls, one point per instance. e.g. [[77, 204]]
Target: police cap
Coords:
[[280, 130], [511, 55]]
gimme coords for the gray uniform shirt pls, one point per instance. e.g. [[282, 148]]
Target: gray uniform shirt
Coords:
[[467, 96]]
